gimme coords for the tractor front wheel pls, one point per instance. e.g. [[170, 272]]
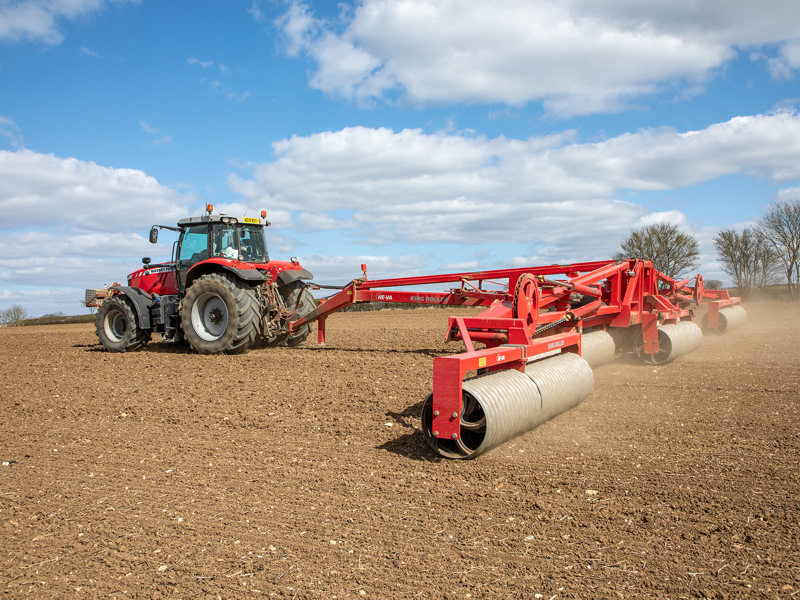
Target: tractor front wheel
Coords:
[[117, 326], [219, 315]]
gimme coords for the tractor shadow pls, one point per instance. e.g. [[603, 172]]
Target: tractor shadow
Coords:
[[156, 347], [175, 348]]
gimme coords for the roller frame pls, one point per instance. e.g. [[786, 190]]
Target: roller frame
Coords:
[[529, 312]]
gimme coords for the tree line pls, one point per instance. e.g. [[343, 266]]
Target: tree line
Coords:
[[13, 315], [762, 254]]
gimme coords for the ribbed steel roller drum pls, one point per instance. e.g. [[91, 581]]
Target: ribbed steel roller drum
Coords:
[[674, 340], [500, 406], [730, 317], [563, 382], [597, 348]]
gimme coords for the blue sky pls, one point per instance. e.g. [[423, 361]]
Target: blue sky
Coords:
[[418, 136]]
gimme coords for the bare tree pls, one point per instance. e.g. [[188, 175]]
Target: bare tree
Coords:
[[672, 252], [780, 228], [13, 315], [747, 257]]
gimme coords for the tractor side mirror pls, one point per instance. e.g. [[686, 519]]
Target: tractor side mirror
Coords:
[[146, 261], [153, 235]]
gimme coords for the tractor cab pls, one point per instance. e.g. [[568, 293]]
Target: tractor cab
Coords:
[[222, 236], [223, 239]]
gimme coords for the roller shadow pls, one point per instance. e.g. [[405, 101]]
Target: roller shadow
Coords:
[[430, 352], [629, 359], [411, 444]]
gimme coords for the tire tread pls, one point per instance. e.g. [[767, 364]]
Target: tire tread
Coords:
[[246, 308]]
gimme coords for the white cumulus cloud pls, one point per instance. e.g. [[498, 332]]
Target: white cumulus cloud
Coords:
[[576, 56], [46, 190], [38, 20]]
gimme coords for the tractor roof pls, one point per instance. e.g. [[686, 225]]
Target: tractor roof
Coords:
[[222, 218]]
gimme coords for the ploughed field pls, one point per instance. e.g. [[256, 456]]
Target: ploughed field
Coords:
[[303, 473]]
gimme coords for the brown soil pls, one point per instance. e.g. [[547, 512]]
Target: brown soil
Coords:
[[302, 473]]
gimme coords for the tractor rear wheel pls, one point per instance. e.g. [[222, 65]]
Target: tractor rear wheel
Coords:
[[291, 293], [117, 326], [219, 314]]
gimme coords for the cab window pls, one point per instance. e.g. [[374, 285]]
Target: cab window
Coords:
[[224, 240], [252, 244], [239, 242], [194, 244]]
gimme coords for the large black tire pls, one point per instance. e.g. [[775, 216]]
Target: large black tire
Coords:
[[117, 326], [219, 314], [291, 293]]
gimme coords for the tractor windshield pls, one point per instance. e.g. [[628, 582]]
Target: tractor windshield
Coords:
[[242, 242], [252, 245]]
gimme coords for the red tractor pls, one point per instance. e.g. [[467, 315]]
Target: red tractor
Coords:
[[220, 293]]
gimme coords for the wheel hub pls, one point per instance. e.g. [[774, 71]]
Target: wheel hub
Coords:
[[215, 316], [209, 317], [115, 325]]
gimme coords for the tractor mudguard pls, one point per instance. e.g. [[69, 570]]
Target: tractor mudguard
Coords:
[[290, 276], [251, 276], [142, 301], [248, 275]]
